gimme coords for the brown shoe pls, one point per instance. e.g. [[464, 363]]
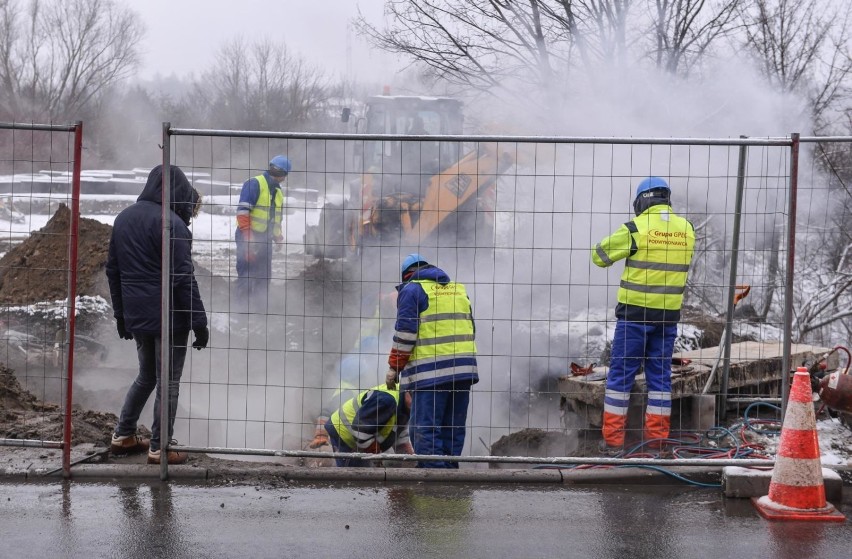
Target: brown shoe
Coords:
[[128, 444], [174, 457]]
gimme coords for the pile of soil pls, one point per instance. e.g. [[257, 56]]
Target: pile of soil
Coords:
[[37, 269], [535, 442], [23, 416]]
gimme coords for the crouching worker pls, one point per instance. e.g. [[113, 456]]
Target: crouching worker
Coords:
[[372, 422]]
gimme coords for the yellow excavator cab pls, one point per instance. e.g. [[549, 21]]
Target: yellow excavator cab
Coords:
[[409, 190]]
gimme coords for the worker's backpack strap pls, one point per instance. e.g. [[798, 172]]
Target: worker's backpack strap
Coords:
[[631, 226]]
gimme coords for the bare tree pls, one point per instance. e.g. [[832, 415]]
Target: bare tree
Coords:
[[477, 44], [684, 30], [57, 56], [259, 86], [485, 44], [803, 46]]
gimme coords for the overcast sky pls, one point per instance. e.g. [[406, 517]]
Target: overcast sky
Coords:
[[182, 36]]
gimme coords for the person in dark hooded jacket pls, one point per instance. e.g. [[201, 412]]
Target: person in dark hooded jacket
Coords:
[[134, 273]]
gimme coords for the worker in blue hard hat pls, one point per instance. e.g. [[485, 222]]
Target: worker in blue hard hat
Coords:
[[259, 224], [434, 358], [657, 246]]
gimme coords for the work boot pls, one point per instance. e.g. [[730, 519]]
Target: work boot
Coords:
[[609, 451], [174, 457], [128, 444]]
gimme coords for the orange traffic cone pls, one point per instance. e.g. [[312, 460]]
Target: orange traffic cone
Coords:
[[797, 490]]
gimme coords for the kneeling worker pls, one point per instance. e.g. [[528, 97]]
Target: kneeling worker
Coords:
[[372, 422]]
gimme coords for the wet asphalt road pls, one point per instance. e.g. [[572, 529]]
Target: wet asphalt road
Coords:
[[176, 520]]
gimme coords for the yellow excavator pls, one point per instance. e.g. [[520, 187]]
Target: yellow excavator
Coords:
[[423, 191]]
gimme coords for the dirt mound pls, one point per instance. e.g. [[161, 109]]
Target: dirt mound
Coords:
[[535, 442], [23, 416], [36, 270]]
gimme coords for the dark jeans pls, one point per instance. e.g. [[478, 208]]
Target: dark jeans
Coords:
[[148, 380], [438, 416], [252, 285]]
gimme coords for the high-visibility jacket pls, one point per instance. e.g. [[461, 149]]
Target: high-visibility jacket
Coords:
[[445, 349], [267, 210], [658, 247], [359, 430]]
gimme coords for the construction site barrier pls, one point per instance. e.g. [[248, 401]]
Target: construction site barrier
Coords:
[[521, 242], [40, 168], [538, 303]]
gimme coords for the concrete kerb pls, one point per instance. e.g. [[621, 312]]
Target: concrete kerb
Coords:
[[612, 476], [19, 464], [745, 483]]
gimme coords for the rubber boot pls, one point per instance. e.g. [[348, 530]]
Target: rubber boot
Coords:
[[613, 429], [657, 427]]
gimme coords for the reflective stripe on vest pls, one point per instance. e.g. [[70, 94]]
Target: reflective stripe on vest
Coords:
[[260, 213], [655, 273], [343, 421], [445, 338]]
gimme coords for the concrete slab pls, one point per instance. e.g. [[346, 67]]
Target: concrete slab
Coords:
[[746, 483], [753, 365]]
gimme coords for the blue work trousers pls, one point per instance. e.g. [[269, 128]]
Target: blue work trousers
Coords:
[[148, 380], [438, 417], [254, 270], [642, 343]]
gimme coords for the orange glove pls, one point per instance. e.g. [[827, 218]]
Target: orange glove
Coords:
[[374, 448], [320, 434], [244, 225], [405, 448]]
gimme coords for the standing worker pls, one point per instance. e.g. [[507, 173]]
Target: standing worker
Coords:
[[259, 217], [657, 245], [434, 357], [372, 422], [133, 270]]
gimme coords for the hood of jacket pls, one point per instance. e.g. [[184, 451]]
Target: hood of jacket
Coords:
[[183, 195], [428, 272]]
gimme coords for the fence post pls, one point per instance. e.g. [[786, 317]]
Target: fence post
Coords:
[[165, 333], [71, 318], [788, 282], [732, 282]]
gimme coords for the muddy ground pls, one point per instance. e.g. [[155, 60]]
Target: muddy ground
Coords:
[[23, 416], [33, 288]]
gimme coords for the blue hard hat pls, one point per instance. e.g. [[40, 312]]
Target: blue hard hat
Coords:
[[410, 261], [652, 183], [279, 166]]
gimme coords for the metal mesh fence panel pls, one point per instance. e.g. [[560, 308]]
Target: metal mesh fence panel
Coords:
[[39, 218], [515, 221]]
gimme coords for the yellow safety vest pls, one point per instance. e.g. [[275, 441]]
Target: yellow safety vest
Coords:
[[445, 336], [342, 419], [260, 212], [658, 246]]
